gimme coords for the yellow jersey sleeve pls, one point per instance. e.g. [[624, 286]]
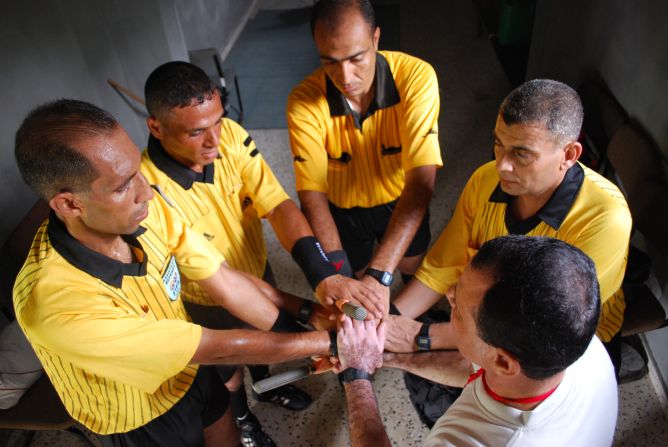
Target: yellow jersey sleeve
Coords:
[[419, 126], [87, 330], [258, 178], [445, 261], [307, 113], [196, 258]]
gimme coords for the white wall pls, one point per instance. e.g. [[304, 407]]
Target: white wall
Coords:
[[626, 41], [69, 48]]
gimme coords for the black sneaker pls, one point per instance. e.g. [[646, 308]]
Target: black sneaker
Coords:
[[252, 434], [287, 396]]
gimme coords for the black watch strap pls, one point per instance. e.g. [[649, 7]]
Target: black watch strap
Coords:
[[305, 311], [385, 278], [423, 340], [350, 374], [333, 346]]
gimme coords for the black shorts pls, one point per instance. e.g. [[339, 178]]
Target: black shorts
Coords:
[[360, 228], [183, 425]]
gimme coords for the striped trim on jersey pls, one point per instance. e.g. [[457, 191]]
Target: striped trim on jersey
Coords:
[[224, 203], [586, 210], [361, 161], [113, 341]]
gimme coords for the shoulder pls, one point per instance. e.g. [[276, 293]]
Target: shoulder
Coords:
[[600, 194], [310, 89], [407, 69]]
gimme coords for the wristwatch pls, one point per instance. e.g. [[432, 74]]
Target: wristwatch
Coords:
[[350, 374], [385, 278], [423, 340]]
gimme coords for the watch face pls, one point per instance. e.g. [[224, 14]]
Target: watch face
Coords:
[[386, 278]]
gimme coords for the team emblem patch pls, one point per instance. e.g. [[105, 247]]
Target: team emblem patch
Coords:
[[172, 280]]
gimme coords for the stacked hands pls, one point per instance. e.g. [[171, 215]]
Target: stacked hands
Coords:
[[360, 343]]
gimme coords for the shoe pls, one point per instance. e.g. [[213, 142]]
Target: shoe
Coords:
[[287, 396], [252, 434]]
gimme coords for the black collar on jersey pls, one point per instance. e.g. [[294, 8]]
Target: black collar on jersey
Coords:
[[554, 211], [95, 264], [185, 177], [385, 94]]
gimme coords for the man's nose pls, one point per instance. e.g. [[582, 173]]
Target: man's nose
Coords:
[[212, 137]]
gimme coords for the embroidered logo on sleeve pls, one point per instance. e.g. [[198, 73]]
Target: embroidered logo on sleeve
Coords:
[[172, 280]]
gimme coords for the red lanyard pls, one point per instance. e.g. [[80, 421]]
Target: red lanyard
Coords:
[[506, 400]]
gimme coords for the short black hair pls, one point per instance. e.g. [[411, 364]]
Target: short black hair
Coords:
[[45, 150], [332, 11], [544, 304], [176, 84], [549, 103]]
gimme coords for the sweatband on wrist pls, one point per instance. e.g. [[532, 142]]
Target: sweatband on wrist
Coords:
[[310, 257], [394, 310], [333, 346], [305, 312], [286, 323], [339, 259]]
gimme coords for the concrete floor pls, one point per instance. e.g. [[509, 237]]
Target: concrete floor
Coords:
[[472, 86]]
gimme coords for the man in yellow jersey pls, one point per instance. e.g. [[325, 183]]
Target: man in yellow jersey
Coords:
[[218, 182], [364, 136], [535, 187], [99, 297]]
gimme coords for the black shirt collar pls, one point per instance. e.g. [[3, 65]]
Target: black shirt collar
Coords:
[[554, 211], [176, 171], [385, 94], [95, 264]]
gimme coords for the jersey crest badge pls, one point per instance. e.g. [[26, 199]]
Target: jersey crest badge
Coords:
[[172, 279]]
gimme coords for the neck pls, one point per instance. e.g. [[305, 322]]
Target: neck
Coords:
[[112, 246], [527, 205], [521, 388], [361, 103]]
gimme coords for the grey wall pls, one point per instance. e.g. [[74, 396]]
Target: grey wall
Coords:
[[70, 48], [626, 41], [213, 23]]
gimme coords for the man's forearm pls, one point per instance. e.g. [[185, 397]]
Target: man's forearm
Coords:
[[366, 427], [406, 218], [239, 346], [315, 207], [445, 367], [289, 224]]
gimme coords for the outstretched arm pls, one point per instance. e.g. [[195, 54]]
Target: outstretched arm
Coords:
[[360, 345], [406, 219], [243, 347], [445, 367]]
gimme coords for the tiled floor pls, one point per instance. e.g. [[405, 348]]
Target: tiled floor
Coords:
[[472, 86]]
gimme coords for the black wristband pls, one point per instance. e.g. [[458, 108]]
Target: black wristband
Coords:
[[310, 257], [350, 374], [339, 259], [305, 311], [394, 310], [333, 346], [286, 323]]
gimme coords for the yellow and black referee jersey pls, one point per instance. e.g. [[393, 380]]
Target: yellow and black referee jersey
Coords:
[[114, 338], [361, 161], [223, 203], [586, 210]]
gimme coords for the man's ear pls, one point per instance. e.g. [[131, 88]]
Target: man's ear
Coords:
[[504, 363], [376, 37], [66, 204], [154, 127], [572, 153]]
